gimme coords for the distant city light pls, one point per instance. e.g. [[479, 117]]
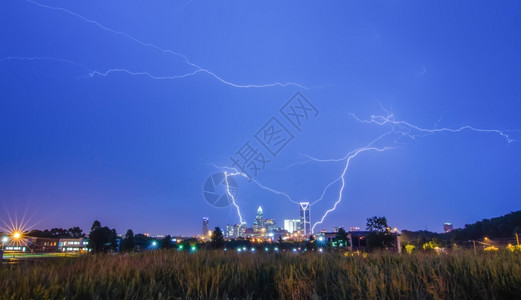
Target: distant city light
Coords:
[[154, 243], [193, 248], [252, 249], [266, 249], [294, 249], [5, 239], [276, 248], [321, 250]]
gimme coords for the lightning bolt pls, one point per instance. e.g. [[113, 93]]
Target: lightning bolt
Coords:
[[235, 172], [397, 127], [406, 127], [197, 68], [230, 194], [147, 74], [341, 178]]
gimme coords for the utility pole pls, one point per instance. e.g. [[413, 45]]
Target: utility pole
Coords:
[[517, 238]]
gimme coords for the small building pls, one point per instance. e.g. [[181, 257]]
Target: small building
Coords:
[[78, 245], [43, 245], [357, 240]]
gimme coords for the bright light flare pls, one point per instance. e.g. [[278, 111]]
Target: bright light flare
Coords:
[[16, 229]]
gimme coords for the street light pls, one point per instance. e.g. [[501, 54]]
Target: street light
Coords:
[[4, 241], [17, 235]]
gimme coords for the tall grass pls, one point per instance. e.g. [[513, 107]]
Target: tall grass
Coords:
[[213, 274]]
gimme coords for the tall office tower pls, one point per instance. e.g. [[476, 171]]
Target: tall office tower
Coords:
[[447, 227], [258, 224], [305, 221], [205, 226], [292, 225], [242, 229], [270, 225], [230, 233]]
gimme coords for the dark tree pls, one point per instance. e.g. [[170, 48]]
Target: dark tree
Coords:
[[128, 244], [380, 236], [378, 224], [217, 239], [95, 225], [341, 237], [166, 243], [102, 239], [59, 233], [76, 232]]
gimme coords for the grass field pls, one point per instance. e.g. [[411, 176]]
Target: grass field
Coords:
[[209, 274]]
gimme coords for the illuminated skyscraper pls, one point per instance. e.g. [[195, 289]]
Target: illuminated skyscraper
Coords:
[[258, 224], [305, 221], [230, 231], [205, 225], [292, 225]]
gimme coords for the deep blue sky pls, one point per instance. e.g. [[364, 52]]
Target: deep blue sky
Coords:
[[134, 152]]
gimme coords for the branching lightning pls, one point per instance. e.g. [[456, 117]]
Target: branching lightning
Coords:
[[405, 127], [231, 195], [235, 172], [398, 128], [197, 68], [341, 178], [147, 74], [262, 186]]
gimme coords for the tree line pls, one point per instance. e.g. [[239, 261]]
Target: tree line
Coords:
[[503, 227]]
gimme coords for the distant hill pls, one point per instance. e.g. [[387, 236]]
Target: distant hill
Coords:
[[500, 227]]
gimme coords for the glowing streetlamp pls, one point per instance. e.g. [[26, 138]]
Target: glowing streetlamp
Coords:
[[17, 235]]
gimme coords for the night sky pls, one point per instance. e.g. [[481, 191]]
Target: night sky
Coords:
[[120, 111]]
